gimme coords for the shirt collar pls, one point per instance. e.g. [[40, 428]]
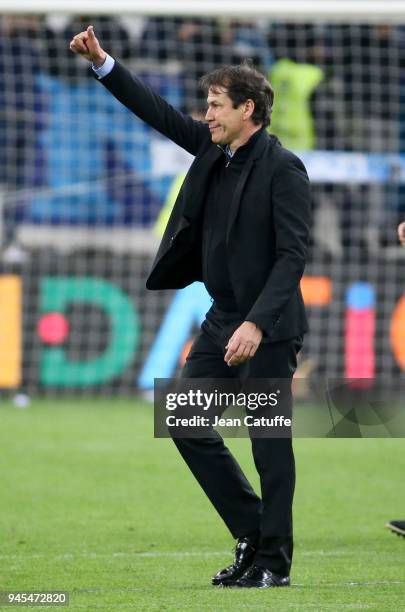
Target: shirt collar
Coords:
[[245, 147]]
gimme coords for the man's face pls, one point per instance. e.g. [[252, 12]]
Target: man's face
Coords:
[[225, 122]]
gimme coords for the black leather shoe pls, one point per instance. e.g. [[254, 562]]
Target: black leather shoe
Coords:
[[244, 553], [397, 527], [261, 578]]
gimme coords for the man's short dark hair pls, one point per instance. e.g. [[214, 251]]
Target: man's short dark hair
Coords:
[[243, 83]]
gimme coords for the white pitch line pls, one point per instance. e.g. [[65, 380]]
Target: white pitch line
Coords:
[[333, 606], [89, 555], [185, 553]]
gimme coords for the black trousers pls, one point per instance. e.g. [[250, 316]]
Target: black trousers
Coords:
[[267, 518]]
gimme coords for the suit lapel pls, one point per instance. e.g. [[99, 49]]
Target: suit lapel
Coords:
[[257, 152], [196, 184], [237, 196]]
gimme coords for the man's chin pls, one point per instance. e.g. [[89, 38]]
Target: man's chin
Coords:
[[216, 139]]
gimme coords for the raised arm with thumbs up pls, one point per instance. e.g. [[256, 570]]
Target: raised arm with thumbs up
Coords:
[[87, 45]]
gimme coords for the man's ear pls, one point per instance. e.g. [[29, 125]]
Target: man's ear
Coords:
[[249, 107]]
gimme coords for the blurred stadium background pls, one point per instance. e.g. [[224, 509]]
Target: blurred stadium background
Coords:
[[87, 498], [85, 187]]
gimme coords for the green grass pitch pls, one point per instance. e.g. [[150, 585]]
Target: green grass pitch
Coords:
[[91, 503]]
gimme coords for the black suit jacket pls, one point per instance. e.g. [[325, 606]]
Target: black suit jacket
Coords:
[[268, 228]]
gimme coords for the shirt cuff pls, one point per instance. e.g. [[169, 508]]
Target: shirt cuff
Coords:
[[106, 68]]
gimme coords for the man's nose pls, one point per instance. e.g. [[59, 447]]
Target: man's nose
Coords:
[[208, 115]]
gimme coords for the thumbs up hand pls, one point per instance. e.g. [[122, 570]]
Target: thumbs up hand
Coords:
[[87, 45]]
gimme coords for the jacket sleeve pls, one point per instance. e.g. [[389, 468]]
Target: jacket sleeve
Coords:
[[154, 110], [292, 219]]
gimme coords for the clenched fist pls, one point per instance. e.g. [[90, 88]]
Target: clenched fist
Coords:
[[87, 45]]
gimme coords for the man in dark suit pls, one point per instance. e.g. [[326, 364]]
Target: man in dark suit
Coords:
[[241, 225]]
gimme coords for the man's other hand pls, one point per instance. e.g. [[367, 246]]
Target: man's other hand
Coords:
[[87, 45], [401, 233], [243, 344]]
